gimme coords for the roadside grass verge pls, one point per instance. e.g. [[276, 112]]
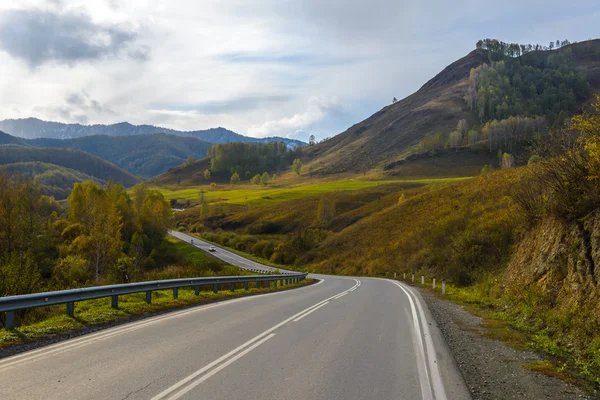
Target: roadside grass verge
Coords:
[[499, 323], [98, 312]]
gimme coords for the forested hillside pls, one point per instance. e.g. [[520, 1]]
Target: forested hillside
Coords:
[[232, 163], [59, 168], [54, 180], [495, 99], [249, 159], [142, 155]]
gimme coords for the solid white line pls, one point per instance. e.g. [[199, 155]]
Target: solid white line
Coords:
[[176, 386], [341, 295], [219, 368], [436, 385], [436, 379], [426, 389], [313, 310]]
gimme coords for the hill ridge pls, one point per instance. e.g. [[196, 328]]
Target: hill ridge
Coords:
[[34, 128]]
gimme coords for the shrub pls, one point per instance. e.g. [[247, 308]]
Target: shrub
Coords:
[[72, 271], [284, 253]]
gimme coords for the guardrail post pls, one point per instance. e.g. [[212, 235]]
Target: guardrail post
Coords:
[[197, 290], [9, 322], [215, 288], [114, 301], [71, 309], [149, 297], [275, 283], [281, 282], [287, 281], [422, 279], [175, 292], [434, 282], [232, 287], [268, 284], [246, 285]]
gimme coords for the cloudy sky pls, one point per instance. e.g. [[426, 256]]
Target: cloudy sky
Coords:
[[258, 67]]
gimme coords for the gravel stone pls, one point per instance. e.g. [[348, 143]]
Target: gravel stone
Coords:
[[491, 369]]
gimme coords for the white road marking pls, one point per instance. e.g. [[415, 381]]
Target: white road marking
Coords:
[[313, 310], [433, 387], [341, 295]]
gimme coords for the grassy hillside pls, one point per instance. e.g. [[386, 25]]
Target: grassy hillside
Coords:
[[143, 155], [72, 159], [272, 194], [185, 175], [395, 132]]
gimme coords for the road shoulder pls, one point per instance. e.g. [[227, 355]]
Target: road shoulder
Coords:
[[491, 369]]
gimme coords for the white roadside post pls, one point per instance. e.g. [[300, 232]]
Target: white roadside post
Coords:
[[413, 277], [434, 282], [404, 275], [443, 286], [394, 275], [422, 279]]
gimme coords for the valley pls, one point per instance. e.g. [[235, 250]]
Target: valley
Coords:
[[486, 178]]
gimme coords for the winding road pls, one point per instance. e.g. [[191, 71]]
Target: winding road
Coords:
[[341, 338]]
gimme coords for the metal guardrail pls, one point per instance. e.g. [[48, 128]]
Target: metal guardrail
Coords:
[[10, 304]]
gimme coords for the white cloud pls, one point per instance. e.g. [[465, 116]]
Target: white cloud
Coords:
[[316, 109], [259, 67]]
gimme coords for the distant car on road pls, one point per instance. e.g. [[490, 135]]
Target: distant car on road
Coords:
[[212, 248]]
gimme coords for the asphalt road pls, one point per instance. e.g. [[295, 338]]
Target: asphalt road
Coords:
[[225, 255], [343, 338]]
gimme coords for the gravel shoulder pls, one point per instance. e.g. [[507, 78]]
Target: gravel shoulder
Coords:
[[491, 369]]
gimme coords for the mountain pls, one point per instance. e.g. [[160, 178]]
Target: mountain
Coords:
[[54, 180], [388, 137], [33, 128], [142, 155], [5, 138], [67, 166]]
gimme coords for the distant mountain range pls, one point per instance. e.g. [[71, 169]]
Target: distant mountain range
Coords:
[[142, 155], [33, 128]]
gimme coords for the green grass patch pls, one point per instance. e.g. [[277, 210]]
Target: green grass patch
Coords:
[[258, 195], [99, 311]]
